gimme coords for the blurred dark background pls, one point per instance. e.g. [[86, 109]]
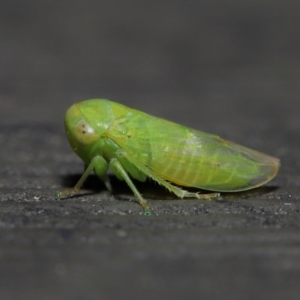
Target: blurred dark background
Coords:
[[226, 67], [199, 56]]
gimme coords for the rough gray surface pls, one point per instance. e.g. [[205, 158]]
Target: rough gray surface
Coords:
[[230, 68]]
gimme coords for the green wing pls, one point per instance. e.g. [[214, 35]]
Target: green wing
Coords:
[[188, 157]]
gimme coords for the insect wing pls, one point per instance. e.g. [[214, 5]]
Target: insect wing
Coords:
[[188, 157]]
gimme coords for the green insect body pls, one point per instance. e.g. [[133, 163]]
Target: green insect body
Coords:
[[106, 134]]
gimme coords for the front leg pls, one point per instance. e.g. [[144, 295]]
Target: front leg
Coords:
[[97, 164]]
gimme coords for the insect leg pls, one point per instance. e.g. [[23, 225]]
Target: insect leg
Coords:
[[200, 196], [76, 188], [117, 167], [133, 171], [99, 165], [174, 189]]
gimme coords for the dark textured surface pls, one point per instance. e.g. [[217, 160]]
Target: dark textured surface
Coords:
[[230, 68]]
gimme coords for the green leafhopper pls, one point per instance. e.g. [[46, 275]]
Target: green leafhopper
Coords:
[[106, 134]]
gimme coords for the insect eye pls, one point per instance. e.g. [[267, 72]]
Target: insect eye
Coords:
[[85, 133], [85, 128]]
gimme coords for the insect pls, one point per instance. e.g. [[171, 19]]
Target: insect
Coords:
[[106, 134]]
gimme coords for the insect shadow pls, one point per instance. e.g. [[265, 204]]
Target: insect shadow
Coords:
[[258, 192], [151, 190]]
